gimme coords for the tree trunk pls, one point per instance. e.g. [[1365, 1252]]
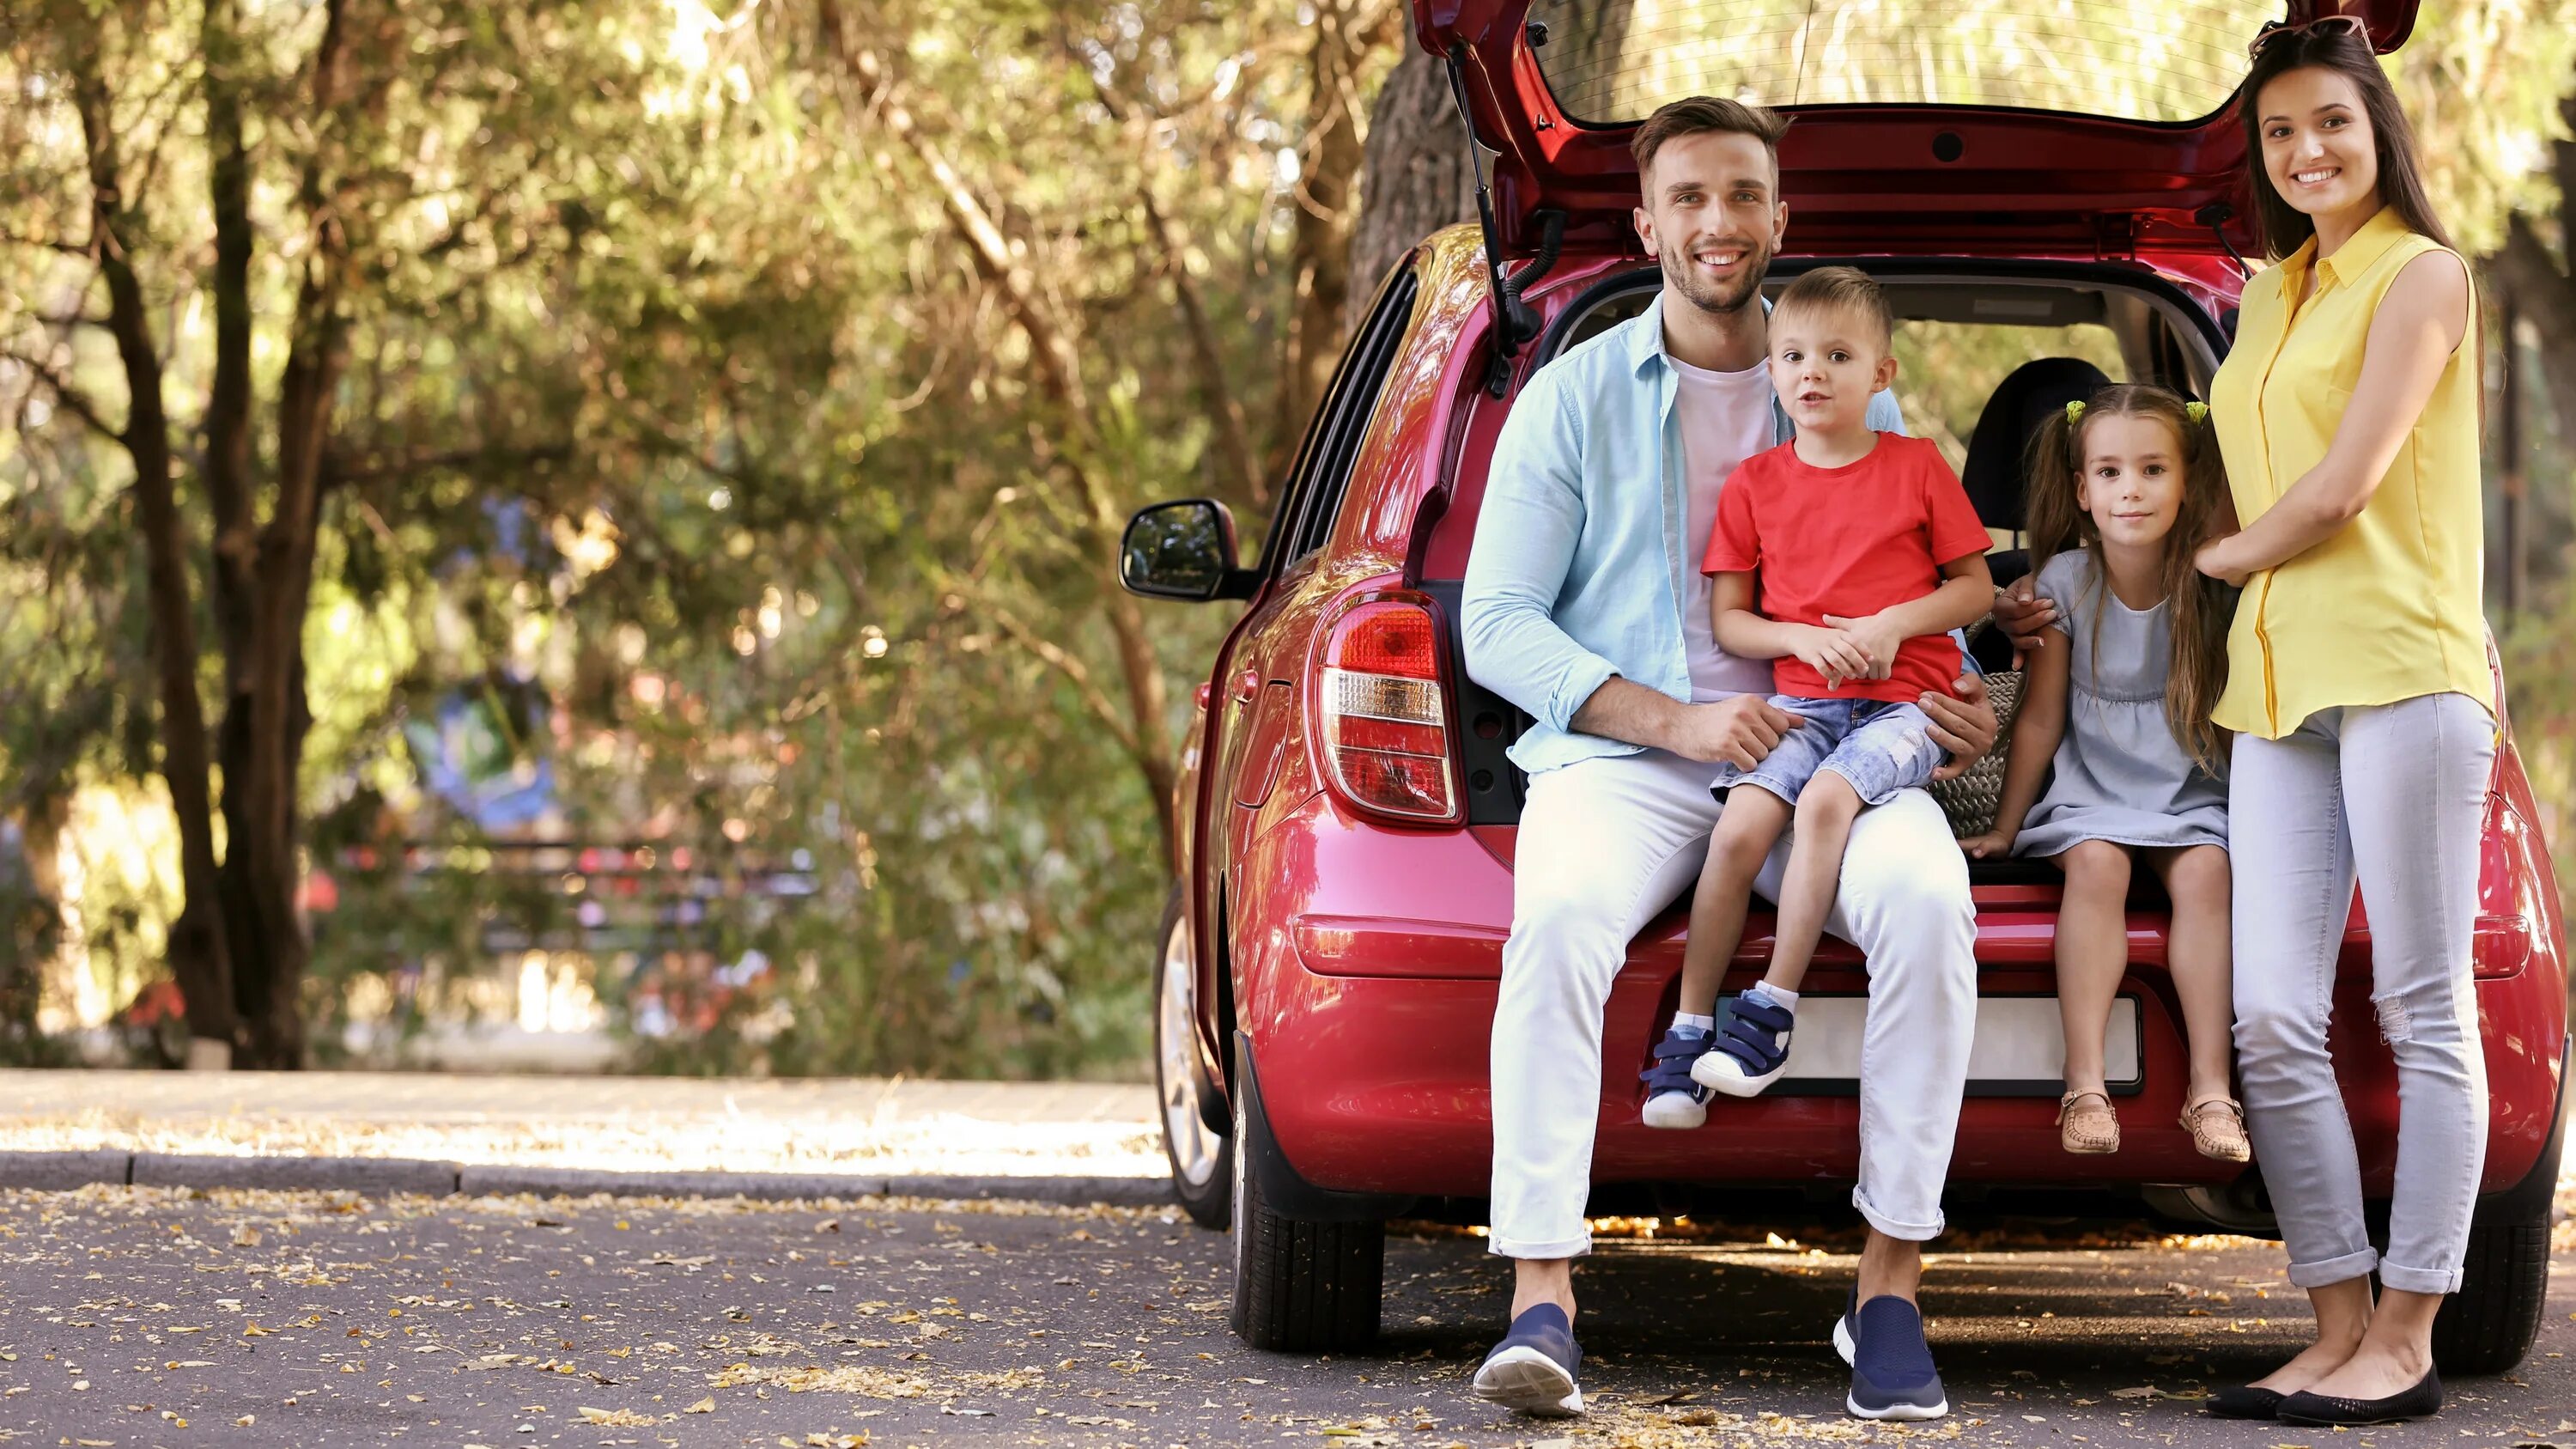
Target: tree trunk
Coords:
[[2543, 287], [200, 958], [268, 714], [1414, 177]]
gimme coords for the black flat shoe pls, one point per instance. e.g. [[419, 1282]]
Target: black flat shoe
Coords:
[[2243, 1401], [2420, 1402]]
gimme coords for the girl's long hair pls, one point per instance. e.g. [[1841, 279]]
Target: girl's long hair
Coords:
[[2284, 227], [2199, 608]]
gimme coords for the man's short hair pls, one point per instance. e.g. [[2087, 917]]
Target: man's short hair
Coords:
[[1837, 289], [1700, 115]]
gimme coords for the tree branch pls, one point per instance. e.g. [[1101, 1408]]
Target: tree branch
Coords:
[[72, 399], [51, 244]]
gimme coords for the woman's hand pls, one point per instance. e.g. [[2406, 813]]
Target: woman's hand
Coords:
[[1964, 726], [2024, 616], [2218, 559], [1993, 845]]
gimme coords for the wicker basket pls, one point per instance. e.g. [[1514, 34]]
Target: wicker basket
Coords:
[[1970, 799]]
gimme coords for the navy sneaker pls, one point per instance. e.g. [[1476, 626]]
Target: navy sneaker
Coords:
[[1672, 1098], [1533, 1368], [1751, 1049], [1892, 1373]]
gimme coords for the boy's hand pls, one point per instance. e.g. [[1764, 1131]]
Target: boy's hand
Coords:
[[1876, 637], [1835, 654], [1993, 845]]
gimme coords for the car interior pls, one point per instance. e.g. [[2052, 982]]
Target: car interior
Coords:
[[1983, 358]]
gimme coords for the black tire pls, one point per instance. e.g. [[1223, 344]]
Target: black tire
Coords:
[[1202, 1162], [2488, 1325], [1301, 1287]]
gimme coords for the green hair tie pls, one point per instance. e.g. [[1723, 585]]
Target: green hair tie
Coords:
[[2197, 411], [2075, 411]]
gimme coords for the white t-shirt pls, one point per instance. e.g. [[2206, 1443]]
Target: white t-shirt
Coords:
[[1724, 418]]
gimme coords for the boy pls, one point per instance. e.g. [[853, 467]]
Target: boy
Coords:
[[1867, 553]]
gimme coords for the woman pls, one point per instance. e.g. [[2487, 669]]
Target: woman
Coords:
[[2358, 691]]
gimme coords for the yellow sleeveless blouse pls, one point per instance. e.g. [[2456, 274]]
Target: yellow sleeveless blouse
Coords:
[[2389, 607]]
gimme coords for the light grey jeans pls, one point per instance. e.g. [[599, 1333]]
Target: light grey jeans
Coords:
[[2391, 795], [1606, 844]]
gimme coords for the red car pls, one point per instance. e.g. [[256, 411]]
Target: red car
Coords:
[[1345, 882]]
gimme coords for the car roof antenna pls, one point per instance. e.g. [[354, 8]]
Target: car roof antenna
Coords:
[[1515, 321]]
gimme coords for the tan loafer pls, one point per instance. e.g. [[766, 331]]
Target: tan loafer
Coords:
[[2085, 1123], [2217, 1128]]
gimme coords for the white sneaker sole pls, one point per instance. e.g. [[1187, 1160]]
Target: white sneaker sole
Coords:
[[1843, 1340], [1675, 1111], [1718, 1072], [1530, 1382]]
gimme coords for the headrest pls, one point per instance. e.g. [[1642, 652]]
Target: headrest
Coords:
[[1999, 448]]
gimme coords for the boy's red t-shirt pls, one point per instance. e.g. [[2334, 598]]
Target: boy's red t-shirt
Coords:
[[1848, 541]]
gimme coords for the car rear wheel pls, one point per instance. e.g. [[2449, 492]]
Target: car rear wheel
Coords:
[[1202, 1158], [1301, 1286], [2488, 1325]]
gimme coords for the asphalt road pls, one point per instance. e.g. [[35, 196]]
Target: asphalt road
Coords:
[[136, 1317]]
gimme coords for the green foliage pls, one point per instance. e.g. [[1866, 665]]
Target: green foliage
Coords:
[[691, 442]]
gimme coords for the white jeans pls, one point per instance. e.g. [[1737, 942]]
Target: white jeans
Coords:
[[2392, 795], [1605, 845]]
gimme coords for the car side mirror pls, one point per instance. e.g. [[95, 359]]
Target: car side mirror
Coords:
[[1183, 550]]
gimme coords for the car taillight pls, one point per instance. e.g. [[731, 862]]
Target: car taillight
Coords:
[[1381, 715]]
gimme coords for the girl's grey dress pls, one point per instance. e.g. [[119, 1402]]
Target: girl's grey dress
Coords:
[[2120, 775]]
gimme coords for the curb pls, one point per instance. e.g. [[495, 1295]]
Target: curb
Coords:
[[60, 1171]]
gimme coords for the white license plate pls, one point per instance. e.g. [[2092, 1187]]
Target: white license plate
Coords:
[[2020, 1048]]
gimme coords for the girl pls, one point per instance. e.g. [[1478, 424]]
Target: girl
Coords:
[[2122, 491], [2360, 696]]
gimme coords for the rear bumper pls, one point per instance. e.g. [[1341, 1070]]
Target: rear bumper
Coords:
[[1366, 1015]]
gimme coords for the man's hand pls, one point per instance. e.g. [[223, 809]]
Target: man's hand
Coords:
[[1875, 637], [1833, 653], [2217, 558], [2024, 616], [1964, 726], [1739, 731]]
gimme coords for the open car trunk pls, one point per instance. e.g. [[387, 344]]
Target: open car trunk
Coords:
[[2083, 126]]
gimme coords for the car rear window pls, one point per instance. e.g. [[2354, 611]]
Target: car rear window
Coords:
[[1612, 62]]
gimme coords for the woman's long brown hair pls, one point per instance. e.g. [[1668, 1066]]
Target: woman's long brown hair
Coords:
[[2284, 227], [2199, 608]]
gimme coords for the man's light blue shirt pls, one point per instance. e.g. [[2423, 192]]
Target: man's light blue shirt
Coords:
[[1579, 566]]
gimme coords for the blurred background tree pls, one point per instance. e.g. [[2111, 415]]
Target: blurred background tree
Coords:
[[599, 517]]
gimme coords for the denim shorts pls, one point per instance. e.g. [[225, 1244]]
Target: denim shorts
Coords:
[[1879, 746]]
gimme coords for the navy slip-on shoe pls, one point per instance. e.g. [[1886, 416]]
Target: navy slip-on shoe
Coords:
[[1533, 1369], [1892, 1373]]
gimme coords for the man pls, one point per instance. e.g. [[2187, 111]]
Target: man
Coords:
[[1585, 607]]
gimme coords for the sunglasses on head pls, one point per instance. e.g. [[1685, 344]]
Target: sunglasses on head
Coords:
[[2352, 25]]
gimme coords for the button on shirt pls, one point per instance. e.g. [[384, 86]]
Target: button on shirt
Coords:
[[1583, 562], [2388, 607]]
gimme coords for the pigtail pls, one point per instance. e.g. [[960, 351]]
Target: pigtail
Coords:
[[2048, 506]]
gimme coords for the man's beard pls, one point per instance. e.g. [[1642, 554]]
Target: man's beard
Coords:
[[1713, 296]]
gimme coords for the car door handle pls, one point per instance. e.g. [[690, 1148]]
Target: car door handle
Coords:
[[1246, 685]]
